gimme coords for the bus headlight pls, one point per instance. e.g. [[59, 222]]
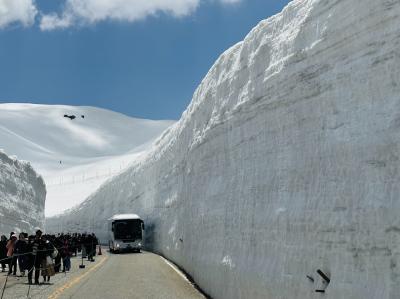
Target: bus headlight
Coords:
[[117, 245], [139, 244]]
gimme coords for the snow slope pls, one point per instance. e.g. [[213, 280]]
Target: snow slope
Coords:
[[91, 149], [286, 162], [22, 196]]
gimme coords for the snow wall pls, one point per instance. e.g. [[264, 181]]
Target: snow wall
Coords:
[[22, 197], [285, 162]]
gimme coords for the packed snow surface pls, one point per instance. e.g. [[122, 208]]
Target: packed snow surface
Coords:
[[286, 162], [74, 156], [22, 196]]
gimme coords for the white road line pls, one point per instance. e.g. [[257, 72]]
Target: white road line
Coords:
[[175, 268]]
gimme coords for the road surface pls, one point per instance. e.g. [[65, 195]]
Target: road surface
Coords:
[[144, 275]]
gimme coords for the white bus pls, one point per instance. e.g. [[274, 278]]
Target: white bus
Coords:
[[125, 233]]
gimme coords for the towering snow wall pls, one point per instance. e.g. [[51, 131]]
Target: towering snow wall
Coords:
[[286, 162], [22, 196]]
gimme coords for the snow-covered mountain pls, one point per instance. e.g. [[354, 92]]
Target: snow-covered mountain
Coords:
[[286, 161], [74, 156], [22, 196]]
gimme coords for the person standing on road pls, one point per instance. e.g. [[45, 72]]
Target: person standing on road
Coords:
[[89, 247], [95, 243], [37, 253], [47, 261], [66, 256], [30, 258], [57, 242], [12, 260], [3, 252], [84, 245], [74, 244], [20, 251]]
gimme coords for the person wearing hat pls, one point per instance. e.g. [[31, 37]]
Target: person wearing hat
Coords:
[[12, 260]]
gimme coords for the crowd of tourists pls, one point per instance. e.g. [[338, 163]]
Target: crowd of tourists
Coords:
[[43, 255]]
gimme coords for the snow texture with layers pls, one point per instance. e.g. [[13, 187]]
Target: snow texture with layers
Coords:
[[286, 162], [22, 197], [74, 156]]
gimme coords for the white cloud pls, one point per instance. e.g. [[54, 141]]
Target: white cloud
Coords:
[[53, 21], [83, 12], [17, 11]]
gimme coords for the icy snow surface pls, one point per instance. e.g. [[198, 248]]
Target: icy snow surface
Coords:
[[91, 149], [286, 162], [22, 196]]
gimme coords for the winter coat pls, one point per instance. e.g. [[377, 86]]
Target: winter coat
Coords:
[[20, 247], [3, 249], [37, 251], [10, 247], [65, 250], [49, 249], [29, 258]]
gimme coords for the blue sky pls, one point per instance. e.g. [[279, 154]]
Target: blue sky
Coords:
[[145, 66]]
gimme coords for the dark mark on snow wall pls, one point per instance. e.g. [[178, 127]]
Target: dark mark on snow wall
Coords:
[[72, 117]]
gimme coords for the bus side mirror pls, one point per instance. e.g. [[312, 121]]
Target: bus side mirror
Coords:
[[142, 225], [112, 227]]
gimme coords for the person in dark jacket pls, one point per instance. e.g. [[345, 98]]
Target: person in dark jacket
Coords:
[[57, 242], [21, 250], [30, 258], [37, 253], [89, 247], [95, 243], [66, 254], [3, 253]]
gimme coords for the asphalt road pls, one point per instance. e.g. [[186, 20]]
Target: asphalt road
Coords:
[[137, 275]]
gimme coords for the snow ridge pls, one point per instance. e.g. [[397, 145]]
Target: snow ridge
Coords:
[[22, 194]]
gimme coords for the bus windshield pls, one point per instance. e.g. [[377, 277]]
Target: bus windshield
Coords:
[[128, 229]]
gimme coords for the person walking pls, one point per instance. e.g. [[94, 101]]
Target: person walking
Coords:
[[12, 260], [3, 252]]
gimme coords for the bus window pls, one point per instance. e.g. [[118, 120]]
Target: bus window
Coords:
[[128, 229]]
